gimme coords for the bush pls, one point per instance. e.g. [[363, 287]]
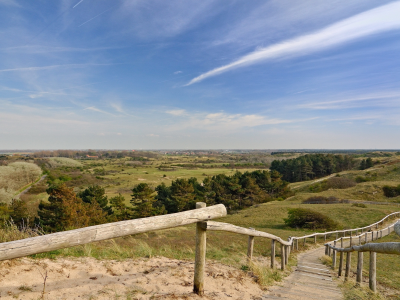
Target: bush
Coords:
[[306, 218], [391, 191], [340, 183], [362, 205]]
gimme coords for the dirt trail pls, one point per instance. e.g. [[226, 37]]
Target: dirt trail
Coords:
[[88, 278]]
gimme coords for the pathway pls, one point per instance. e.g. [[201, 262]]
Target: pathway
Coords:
[[310, 280]]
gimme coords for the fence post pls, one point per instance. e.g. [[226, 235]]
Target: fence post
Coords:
[[286, 255], [334, 257], [325, 238], [348, 265], [326, 249], [359, 267], [297, 244], [372, 236], [315, 238], [250, 247], [200, 258], [282, 257], [366, 237], [329, 250], [359, 240], [341, 258], [372, 271], [272, 254], [351, 238], [289, 248], [337, 235], [304, 242]]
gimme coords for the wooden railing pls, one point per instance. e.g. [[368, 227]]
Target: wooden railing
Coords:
[[201, 216], [372, 248]]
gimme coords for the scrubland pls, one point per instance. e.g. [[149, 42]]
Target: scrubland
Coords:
[[119, 176]]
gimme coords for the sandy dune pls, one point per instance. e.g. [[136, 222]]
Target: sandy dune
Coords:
[[88, 278]]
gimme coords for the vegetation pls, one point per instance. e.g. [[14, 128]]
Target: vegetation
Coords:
[[391, 191], [14, 176], [306, 218], [312, 166]]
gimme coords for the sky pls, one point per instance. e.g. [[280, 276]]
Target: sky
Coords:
[[210, 74]]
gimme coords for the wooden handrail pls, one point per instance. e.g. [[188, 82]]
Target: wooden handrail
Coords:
[[219, 226], [65, 239]]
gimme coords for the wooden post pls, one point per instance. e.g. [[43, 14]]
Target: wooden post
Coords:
[[348, 265], [286, 255], [250, 247], [351, 240], [366, 237], [200, 258], [272, 254], [326, 249], [359, 240], [297, 244], [304, 243], [329, 251], [324, 238], [372, 271], [388, 230], [372, 235], [344, 233], [282, 257], [341, 259], [359, 267], [315, 239], [337, 235], [334, 257]]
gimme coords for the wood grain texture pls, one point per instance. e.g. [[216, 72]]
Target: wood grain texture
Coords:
[[86, 235]]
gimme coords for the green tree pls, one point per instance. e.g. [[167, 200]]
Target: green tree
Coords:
[[120, 210], [143, 202], [64, 211], [368, 163], [96, 193]]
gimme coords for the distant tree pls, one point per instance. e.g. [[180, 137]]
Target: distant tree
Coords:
[[363, 165], [64, 211], [120, 210], [96, 193], [368, 163], [143, 202]]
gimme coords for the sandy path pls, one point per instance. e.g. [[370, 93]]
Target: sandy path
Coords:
[[88, 278]]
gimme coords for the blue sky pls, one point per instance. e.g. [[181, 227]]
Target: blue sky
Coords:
[[115, 74]]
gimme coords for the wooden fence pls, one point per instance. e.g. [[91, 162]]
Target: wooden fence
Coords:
[[201, 216], [372, 248]]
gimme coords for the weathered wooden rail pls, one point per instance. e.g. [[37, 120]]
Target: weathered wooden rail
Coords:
[[372, 248], [201, 216]]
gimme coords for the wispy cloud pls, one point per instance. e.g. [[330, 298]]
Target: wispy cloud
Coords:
[[383, 18], [52, 67], [374, 99], [92, 108], [77, 4], [176, 112], [177, 72], [223, 121], [97, 16]]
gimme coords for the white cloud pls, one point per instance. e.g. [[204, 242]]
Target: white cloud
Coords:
[[176, 112], [177, 72], [371, 22], [92, 108]]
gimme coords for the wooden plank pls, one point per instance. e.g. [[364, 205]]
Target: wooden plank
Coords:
[[200, 258], [90, 234], [250, 247], [219, 226]]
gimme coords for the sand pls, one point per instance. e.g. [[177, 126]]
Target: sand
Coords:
[[88, 278]]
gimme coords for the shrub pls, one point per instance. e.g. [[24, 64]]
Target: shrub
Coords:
[[306, 218], [391, 191], [362, 205], [340, 183]]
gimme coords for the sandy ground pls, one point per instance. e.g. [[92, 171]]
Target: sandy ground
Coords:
[[88, 278]]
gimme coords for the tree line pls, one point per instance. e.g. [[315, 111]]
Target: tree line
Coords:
[[312, 166], [66, 209]]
